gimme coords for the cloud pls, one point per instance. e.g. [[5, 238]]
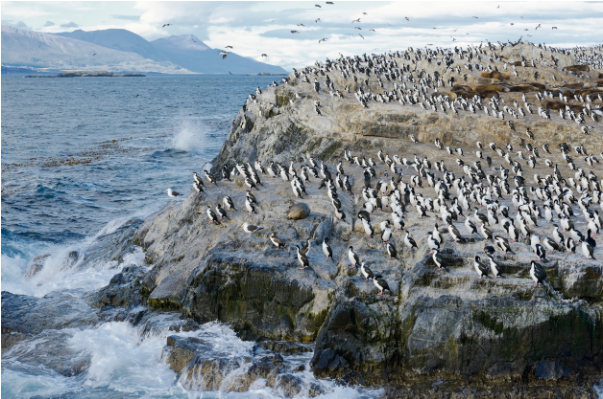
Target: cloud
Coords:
[[70, 25], [126, 17], [48, 23]]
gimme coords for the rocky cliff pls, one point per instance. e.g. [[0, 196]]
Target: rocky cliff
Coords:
[[435, 333]]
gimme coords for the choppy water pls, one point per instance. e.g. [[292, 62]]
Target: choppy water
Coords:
[[80, 157]]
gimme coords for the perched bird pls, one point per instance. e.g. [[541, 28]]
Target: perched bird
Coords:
[[249, 228], [301, 258], [438, 260], [354, 259], [172, 194], [409, 241], [277, 242], [213, 218], [366, 272], [537, 273], [327, 250], [381, 284], [480, 268]]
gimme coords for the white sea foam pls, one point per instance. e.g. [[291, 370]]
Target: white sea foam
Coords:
[[190, 135]]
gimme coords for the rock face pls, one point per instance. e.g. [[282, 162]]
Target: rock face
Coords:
[[490, 335]]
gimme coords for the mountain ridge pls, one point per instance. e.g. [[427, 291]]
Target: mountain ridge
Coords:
[[119, 50]]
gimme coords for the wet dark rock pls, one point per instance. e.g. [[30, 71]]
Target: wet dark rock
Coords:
[[299, 211], [124, 289], [284, 347]]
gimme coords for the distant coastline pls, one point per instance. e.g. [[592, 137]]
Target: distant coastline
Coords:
[[101, 74]]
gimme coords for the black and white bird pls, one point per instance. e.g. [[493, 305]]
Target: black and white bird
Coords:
[[228, 203], [327, 250], [481, 269], [366, 272], [301, 258], [354, 259], [172, 194], [409, 242], [537, 273], [250, 228], [249, 205], [588, 250], [277, 242], [432, 243], [438, 260], [391, 250], [221, 212], [381, 284], [494, 267], [213, 218]]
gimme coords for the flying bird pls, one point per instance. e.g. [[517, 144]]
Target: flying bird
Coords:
[[554, 27], [322, 40], [475, 17], [294, 31], [363, 13], [265, 55], [94, 54], [301, 25], [359, 28], [356, 20], [166, 25], [317, 5], [330, 2], [361, 36], [372, 30], [224, 54], [228, 47], [406, 18], [317, 20]]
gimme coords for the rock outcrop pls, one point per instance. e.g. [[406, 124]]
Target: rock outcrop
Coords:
[[490, 335]]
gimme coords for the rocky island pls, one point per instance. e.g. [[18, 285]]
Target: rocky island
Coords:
[[362, 153]]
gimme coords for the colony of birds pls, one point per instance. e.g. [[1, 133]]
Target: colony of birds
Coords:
[[482, 194]]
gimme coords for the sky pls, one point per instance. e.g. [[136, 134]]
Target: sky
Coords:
[[262, 27]]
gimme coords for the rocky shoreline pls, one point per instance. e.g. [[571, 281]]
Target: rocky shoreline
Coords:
[[438, 333]]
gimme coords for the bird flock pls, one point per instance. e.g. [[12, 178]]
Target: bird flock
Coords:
[[296, 31], [468, 201]]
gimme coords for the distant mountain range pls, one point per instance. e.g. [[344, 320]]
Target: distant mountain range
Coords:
[[119, 50]]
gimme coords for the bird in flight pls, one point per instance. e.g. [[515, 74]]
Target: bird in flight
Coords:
[[430, 44], [164, 25], [272, 21], [322, 40], [363, 13], [453, 39], [359, 28], [537, 27], [371, 30], [554, 27], [228, 47], [406, 18], [475, 17], [301, 25], [356, 20], [317, 20], [330, 2], [361, 36], [224, 54], [94, 54], [193, 39], [511, 24], [294, 31], [265, 55], [317, 5], [498, 7]]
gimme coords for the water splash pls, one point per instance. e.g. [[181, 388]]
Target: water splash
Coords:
[[190, 136]]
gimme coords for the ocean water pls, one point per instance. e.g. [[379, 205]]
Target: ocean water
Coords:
[[80, 158]]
